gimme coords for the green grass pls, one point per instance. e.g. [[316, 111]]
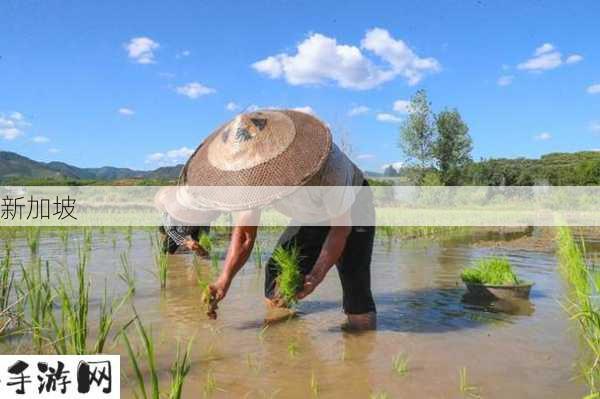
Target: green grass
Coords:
[[289, 281], [400, 364], [491, 270], [584, 283]]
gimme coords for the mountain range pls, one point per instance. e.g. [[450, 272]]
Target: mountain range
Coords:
[[15, 166]]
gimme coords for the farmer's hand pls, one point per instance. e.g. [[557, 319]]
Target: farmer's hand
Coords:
[[193, 245], [311, 281], [219, 289]]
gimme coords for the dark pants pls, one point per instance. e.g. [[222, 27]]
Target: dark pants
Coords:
[[354, 266]]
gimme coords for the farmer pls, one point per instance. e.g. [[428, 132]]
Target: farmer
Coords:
[[264, 157]]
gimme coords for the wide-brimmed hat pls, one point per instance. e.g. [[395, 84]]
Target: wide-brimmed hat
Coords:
[[275, 149]]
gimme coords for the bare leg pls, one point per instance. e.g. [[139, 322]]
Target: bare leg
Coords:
[[361, 322]]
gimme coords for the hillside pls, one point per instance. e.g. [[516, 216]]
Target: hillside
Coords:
[[15, 167]]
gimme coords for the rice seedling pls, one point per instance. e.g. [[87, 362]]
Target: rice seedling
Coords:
[[289, 281], [263, 333], [466, 389], [207, 243], [400, 364], [379, 395], [492, 270], [129, 236], [161, 261], [6, 279], [127, 274], [72, 333], [179, 368], [314, 385], [584, 284], [293, 349], [87, 239], [210, 385], [179, 371], [258, 255], [35, 288], [63, 234], [253, 364], [106, 319], [33, 238]]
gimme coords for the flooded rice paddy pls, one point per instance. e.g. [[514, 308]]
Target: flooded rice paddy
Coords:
[[524, 349]]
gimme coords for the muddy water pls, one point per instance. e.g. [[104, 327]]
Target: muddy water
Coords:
[[516, 350]]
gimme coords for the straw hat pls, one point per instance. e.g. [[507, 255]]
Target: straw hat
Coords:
[[281, 148]]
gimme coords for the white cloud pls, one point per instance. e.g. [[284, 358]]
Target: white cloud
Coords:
[[306, 109], [320, 59], [388, 118], [194, 90], [544, 136], [171, 157], [10, 133], [358, 110], [505, 80], [402, 106], [231, 106], [252, 108], [574, 59], [126, 111], [53, 150], [547, 57], [544, 48], [365, 156], [594, 89], [396, 165], [141, 50], [12, 125], [184, 53], [40, 139], [595, 126]]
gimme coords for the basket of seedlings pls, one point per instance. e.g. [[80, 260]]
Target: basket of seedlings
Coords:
[[493, 277]]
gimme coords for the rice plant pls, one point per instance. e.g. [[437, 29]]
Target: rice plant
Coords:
[[491, 270], [33, 238], [161, 261], [127, 273], [289, 281], [584, 284], [179, 370], [466, 389], [6, 279], [39, 298], [87, 239], [129, 236], [210, 385], [63, 234], [208, 245], [379, 395], [258, 255], [314, 385], [293, 349], [400, 364]]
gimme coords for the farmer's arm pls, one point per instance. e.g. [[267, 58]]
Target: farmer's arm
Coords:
[[240, 248], [332, 249]]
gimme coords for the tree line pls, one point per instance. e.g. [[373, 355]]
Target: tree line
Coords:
[[438, 150]]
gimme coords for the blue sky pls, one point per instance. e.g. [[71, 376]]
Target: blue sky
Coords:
[[124, 84]]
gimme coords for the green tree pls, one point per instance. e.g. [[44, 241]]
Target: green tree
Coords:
[[417, 133], [453, 146]]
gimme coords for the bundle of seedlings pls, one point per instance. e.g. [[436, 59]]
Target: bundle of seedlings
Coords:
[[492, 271], [289, 282], [494, 278]]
